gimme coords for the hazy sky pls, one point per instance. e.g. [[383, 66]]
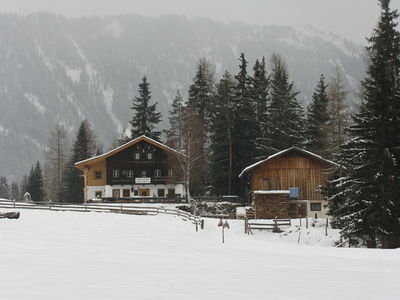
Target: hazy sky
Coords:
[[353, 19]]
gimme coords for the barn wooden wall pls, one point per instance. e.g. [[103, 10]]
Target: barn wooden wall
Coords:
[[293, 170]]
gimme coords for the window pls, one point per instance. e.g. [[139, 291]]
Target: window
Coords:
[[315, 206], [97, 174], [136, 155], [277, 184], [126, 193], [115, 193], [98, 194], [170, 172], [130, 174], [149, 155], [171, 192], [136, 192], [144, 173], [161, 193], [265, 184], [115, 173], [157, 173]]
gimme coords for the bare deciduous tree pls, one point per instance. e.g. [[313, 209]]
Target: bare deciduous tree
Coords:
[[57, 155]]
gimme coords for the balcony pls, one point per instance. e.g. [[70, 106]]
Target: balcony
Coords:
[[131, 181]]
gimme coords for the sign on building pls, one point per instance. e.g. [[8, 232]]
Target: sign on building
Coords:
[[142, 180]]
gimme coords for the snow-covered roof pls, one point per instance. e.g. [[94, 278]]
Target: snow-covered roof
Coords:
[[262, 192], [126, 145], [283, 152]]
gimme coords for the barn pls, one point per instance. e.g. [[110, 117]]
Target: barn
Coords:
[[287, 184]]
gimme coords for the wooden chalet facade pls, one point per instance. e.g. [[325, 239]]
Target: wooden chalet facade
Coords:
[[287, 184], [140, 168]]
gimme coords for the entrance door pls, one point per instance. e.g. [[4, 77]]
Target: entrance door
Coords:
[[115, 193], [144, 192]]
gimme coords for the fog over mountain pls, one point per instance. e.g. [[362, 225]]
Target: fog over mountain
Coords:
[[59, 69]]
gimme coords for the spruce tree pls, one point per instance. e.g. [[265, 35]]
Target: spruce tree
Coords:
[[260, 95], [201, 91], [286, 117], [35, 185], [146, 117], [367, 204], [244, 127], [4, 188], [174, 134], [15, 194], [317, 119], [74, 183], [199, 102], [223, 179]]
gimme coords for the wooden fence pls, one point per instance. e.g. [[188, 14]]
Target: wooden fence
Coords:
[[108, 208], [273, 225]]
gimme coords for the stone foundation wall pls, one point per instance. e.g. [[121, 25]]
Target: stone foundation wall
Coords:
[[270, 206]]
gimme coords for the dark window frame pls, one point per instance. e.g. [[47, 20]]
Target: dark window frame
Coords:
[[318, 208], [126, 193]]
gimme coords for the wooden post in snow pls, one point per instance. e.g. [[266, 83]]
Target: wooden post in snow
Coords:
[[326, 227]]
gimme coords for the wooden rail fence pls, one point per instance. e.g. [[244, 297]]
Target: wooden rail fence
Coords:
[[109, 208], [273, 225]]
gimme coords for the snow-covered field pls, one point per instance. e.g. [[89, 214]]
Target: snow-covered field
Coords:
[[75, 255]]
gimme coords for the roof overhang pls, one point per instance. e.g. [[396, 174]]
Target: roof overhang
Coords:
[[84, 163], [280, 153]]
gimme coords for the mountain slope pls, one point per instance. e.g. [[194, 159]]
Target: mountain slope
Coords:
[[59, 69]]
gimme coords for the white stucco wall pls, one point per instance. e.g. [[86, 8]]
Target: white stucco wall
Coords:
[[107, 190], [321, 213]]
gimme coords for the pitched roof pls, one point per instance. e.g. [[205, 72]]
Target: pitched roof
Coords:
[[124, 146], [280, 153]]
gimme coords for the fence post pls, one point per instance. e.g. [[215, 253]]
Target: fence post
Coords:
[[300, 220], [197, 228], [307, 222], [86, 206], [202, 224], [326, 227], [121, 208], [14, 203], [245, 225], [276, 224]]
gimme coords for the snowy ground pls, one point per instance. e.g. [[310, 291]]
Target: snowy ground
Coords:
[[75, 255]]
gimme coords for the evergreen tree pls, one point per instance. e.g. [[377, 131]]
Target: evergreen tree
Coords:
[[317, 119], [201, 90], [223, 179], [15, 194], [286, 123], [366, 202], [174, 134], [35, 185], [74, 183], [146, 116], [244, 125], [199, 102], [4, 188], [260, 94]]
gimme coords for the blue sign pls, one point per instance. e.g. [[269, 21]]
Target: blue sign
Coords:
[[293, 192]]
